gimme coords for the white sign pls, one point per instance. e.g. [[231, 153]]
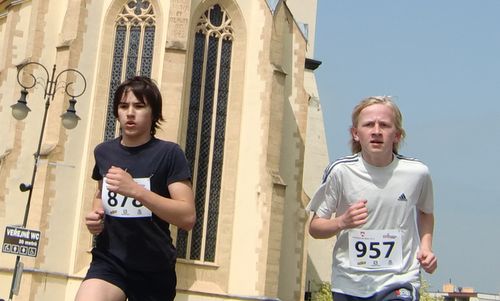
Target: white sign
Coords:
[[21, 241], [121, 206]]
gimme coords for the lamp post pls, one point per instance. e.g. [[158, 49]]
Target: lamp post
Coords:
[[69, 120]]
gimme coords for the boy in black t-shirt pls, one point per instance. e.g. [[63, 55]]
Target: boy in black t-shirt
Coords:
[[144, 185]]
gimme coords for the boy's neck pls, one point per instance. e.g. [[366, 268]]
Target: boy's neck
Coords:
[[135, 141], [378, 160]]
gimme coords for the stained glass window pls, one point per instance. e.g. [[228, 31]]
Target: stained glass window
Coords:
[[206, 130], [133, 51]]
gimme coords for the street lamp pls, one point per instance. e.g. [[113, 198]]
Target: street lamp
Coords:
[[69, 120]]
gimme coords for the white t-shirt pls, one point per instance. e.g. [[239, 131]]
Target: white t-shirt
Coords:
[[383, 251]]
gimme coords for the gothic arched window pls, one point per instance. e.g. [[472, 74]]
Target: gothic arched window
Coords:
[[133, 50], [206, 130]]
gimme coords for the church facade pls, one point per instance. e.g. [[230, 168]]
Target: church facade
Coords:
[[240, 97]]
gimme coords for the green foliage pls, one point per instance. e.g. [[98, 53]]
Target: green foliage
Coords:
[[323, 292], [424, 292]]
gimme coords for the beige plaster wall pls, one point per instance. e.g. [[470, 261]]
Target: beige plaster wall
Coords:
[[319, 251], [304, 11], [247, 220], [291, 167]]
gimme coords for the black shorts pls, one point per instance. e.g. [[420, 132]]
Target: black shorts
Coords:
[[400, 292], [137, 285]]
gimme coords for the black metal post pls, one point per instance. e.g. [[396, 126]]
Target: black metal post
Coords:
[[50, 90]]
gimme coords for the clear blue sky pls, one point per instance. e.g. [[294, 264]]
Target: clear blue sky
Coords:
[[440, 59]]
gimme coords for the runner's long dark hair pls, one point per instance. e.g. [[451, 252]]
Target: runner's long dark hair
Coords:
[[147, 92]]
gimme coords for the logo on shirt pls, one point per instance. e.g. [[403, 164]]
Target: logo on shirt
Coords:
[[402, 197], [402, 292]]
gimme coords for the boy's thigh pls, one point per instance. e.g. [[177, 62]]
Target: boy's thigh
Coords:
[[99, 290]]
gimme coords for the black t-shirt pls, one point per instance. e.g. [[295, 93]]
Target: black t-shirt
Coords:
[[142, 243]]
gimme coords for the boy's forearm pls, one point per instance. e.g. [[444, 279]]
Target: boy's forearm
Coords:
[[426, 229]]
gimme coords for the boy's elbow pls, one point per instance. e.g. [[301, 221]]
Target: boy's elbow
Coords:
[[313, 233], [318, 231], [188, 219], [188, 223]]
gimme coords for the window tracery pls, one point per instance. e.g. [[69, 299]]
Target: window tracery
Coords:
[[135, 28]]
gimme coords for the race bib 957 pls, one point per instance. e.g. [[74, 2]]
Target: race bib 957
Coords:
[[375, 249]]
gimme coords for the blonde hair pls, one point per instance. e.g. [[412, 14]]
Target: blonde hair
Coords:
[[372, 100]]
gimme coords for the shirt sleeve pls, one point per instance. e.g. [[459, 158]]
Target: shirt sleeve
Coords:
[[426, 201], [96, 175], [96, 172], [179, 167], [325, 199]]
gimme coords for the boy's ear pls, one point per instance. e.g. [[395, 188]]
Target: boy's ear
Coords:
[[398, 136], [354, 134]]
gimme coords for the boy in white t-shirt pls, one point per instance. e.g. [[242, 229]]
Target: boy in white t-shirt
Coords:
[[382, 205]]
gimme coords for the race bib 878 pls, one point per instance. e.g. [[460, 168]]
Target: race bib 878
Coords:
[[118, 205], [375, 249]]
